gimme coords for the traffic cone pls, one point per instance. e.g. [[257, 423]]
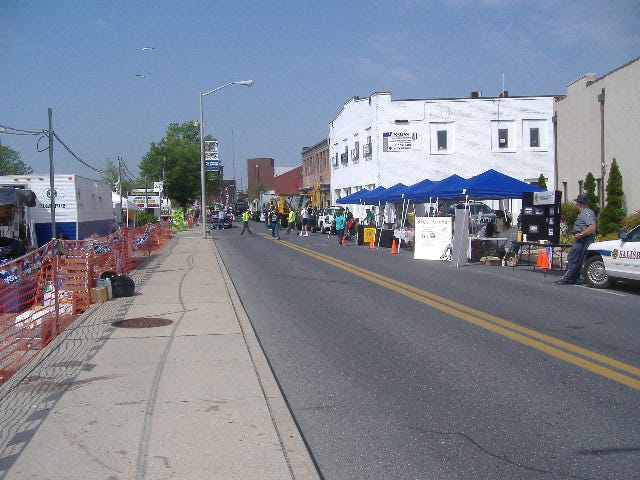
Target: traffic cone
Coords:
[[372, 242], [344, 240], [394, 247], [543, 261]]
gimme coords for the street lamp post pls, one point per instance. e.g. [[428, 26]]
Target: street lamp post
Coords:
[[246, 83]]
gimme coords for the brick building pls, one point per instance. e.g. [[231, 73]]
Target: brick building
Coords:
[[259, 171], [316, 170], [289, 182]]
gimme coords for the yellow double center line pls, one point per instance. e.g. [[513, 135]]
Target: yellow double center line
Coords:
[[594, 362]]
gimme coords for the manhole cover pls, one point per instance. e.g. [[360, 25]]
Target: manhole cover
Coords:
[[142, 322]]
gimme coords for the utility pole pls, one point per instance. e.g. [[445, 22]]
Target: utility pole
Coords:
[[119, 212], [52, 195]]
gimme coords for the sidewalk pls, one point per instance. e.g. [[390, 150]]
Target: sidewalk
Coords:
[[194, 399]]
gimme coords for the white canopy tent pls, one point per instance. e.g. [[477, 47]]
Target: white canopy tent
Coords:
[[122, 204]]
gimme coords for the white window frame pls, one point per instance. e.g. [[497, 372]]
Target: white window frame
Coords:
[[543, 135], [450, 130], [510, 127]]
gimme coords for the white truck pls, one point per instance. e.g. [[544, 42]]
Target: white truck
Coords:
[[83, 207]]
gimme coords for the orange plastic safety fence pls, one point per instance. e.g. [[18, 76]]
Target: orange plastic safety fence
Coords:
[[42, 292]]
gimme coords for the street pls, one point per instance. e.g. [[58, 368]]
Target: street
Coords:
[[397, 368]]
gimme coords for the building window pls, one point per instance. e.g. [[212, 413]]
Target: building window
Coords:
[[344, 158], [442, 137], [503, 138], [442, 140], [580, 192], [356, 151], [536, 131], [564, 191], [367, 149], [534, 137]]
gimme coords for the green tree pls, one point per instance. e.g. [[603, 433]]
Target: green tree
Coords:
[[590, 191], [612, 214], [110, 176], [542, 182], [178, 153], [11, 163], [258, 190]]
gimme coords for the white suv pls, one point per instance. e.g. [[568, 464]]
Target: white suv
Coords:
[[613, 259], [325, 219]]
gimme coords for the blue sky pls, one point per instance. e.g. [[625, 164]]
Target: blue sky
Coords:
[[307, 59]]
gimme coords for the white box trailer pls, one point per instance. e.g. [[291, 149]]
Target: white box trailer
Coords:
[[83, 206]]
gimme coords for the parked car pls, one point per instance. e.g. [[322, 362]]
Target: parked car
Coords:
[[216, 223], [613, 260], [325, 219], [479, 212]]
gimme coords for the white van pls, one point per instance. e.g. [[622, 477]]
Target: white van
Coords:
[[613, 259], [325, 219]]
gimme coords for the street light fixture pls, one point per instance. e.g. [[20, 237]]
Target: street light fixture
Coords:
[[246, 83]]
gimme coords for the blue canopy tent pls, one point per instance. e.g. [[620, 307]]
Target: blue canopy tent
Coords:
[[432, 190], [426, 183], [359, 197], [391, 194], [489, 185], [351, 198], [493, 185], [367, 195]]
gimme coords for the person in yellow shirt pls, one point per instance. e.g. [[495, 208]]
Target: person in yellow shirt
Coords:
[[291, 221], [245, 222]]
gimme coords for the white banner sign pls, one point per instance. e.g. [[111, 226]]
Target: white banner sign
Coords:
[[433, 235], [145, 201], [399, 141], [544, 198]]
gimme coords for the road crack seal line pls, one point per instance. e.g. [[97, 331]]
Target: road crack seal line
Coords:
[[503, 458], [550, 345]]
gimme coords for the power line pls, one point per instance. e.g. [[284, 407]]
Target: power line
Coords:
[[76, 156], [18, 131], [5, 129]]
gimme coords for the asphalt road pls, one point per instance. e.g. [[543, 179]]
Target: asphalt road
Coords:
[[397, 368]]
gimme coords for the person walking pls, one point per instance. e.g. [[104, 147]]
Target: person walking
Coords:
[[340, 220], [369, 219], [291, 221], [304, 215], [245, 222], [583, 231], [274, 222]]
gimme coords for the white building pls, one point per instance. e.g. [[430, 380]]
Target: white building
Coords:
[[598, 121], [377, 141]]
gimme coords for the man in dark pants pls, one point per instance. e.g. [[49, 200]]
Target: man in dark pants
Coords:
[[584, 230]]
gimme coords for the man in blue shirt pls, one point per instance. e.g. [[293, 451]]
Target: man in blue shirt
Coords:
[[584, 230]]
